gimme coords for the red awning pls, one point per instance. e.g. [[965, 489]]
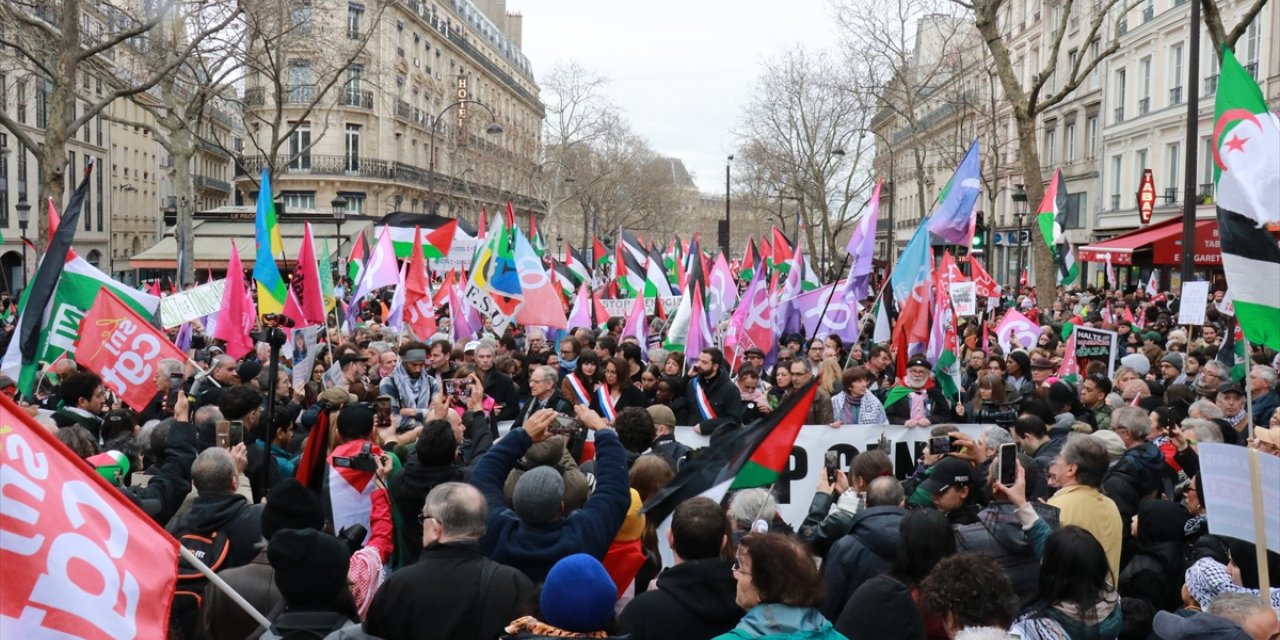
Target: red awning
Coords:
[[1162, 241]]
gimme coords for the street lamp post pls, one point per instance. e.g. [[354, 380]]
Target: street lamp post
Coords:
[[724, 233], [493, 129], [559, 243], [339, 206], [1020, 200], [24, 216]]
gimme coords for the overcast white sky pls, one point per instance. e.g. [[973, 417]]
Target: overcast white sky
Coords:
[[680, 69]]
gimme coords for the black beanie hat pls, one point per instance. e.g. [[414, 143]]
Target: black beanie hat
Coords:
[[311, 566], [249, 370], [290, 505]]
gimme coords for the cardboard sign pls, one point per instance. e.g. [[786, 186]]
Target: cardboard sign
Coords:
[[964, 298], [191, 304], [1146, 197], [117, 344], [1191, 307], [1228, 489], [80, 561], [1096, 344], [306, 350]]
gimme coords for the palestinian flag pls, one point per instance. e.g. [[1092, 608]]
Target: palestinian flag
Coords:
[[1231, 352], [437, 233], [577, 264], [780, 257], [752, 456], [535, 237], [631, 263], [747, 270], [1246, 157], [600, 255], [673, 261], [1052, 216], [359, 256], [1070, 369], [564, 277], [946, 364]]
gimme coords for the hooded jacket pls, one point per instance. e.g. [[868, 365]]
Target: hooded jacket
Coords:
[[999, 533], [534, 548], [866, 551], [1139, 472], [229, 513], [780, 621], [882, 608], [694, 600], [1155, 573]]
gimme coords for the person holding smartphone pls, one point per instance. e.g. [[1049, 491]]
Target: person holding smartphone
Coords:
[[167, 372]]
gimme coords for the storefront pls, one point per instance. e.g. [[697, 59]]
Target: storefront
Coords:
[[1133, 255]]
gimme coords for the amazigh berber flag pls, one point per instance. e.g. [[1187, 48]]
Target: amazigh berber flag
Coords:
[[1246, 157]]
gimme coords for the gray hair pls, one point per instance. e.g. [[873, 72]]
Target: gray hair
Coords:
[[1136, 420], [1089, 456], [213, 471], [379, 346], [1218, 367], [885, 492], [535, 332], [749, 505], [489, 344], [206, 418], [996, 436], [804, 364], [460, 509], [1266, 373], [1205, 409], [549, 372], [658, 354], [220, 360], [1203, 430], [1236, 607], [170, 366]]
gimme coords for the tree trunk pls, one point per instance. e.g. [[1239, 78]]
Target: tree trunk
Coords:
[[183, 149], [1046, 273]]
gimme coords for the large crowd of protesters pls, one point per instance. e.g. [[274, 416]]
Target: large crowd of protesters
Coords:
[[386, 497]]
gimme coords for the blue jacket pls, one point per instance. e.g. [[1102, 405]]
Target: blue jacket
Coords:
[[779, 621], [865, 552], [533, 549]]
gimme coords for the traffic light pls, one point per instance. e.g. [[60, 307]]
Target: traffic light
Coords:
[[979, 243]]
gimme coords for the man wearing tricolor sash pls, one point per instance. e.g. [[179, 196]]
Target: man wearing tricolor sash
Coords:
[[713, 398]]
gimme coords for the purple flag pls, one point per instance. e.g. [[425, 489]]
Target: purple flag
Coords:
[[841, 317], [699, 332], [636, 323]]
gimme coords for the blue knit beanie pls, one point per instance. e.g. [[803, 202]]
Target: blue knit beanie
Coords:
[[578, 595]]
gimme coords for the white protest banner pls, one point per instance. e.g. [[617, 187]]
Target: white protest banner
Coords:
[[964, 298], [480, 301], [1191, 306], [191, 304], [461, 252], [1226, 307], [1228, 490], [1096, 344], [620, 306]]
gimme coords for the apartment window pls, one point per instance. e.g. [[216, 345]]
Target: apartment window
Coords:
[[1175, 74], [1095, 75], [1206, 162], [355, 15], [1117, 187], [300, 148], [1050, 141], [355, 201], [22, 172], [1251, 47], [1173, 155], [100, 198], [98, 125], [22, 100], [1140, 161], [1144, 77], [300, 18], [42, 103], [353, 147], [298, 200], [4, 93], [1121, 87], [1069, 138], [4, 177], [300, 81], [1091, 145], [1073, 218]]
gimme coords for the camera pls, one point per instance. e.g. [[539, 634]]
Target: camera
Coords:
[[363, 461], [1003, 416], [353, 536]]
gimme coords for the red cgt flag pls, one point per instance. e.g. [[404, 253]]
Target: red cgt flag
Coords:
[[80, 561], [117, 344]]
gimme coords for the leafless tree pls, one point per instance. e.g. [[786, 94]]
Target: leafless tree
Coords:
[[1219, 34], [806, 128], [48, 37], [578, 116]]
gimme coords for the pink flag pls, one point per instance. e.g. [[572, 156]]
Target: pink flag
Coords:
[[418, 310], [722, 291], [637, 324], [1016, 331], [752, 324], [1070, 369], [541, 306], [235, 312], [466, 322], [381, 271], [306, 281], [985, 285], [580, 316]]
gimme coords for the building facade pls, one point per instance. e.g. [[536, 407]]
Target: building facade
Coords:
[[439, 112]]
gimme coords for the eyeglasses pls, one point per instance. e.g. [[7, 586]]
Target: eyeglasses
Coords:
[[423, 518], [737, 568]]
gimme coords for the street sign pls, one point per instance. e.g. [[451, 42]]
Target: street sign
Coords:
[[1146, 196]]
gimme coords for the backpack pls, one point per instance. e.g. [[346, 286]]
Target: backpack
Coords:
[[305, 625], [188, 595]]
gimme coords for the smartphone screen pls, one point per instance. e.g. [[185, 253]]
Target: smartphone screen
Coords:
[[940, 445], [237, 432], [831, 460], [175, 387], [222, 431], [1008, 463]]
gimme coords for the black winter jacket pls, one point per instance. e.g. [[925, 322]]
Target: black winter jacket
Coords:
[[865, 552], [694, 600], [999, 533], [229, 513]]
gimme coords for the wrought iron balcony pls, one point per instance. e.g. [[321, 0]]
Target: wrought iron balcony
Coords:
[[1175, 95], [357, 98], [1144, 106], [212, 184], [1211, 84]]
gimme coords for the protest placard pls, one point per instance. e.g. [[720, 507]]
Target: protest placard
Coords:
[[1191, 306], [964, 298], [1096, 344], [1229, 492], [196, 302]]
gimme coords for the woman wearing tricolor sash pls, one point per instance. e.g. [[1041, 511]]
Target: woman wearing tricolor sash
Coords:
[[579, 386], [616, 391]]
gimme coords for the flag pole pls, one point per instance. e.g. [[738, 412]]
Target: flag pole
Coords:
[[821, 316], [222, 585], [1248, 395]]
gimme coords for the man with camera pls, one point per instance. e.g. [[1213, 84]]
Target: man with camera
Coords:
[[353, 467]]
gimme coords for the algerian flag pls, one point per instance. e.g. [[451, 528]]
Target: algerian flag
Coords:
[[326, 278], [1246, 158], [74, 294]]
